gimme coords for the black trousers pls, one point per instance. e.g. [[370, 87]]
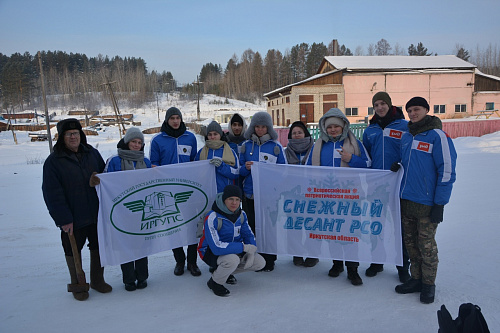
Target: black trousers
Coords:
[[135, 270], [81, 236], [192, 254], [249, 208]]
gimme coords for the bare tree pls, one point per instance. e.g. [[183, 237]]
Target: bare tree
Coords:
[[383, 48]]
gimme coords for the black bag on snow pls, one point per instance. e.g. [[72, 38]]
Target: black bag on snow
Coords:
[[470, 320]]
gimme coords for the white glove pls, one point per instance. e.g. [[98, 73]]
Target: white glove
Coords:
[[216, 162], [248, 259], [249, 248]]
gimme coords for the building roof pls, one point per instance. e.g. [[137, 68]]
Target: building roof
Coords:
[[398, 62]]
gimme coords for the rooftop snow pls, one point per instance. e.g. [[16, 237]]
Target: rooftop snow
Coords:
[[397, 62]]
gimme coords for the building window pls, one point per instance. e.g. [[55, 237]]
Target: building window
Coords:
[[287, 99], [460, 108], [351, 111], [268, 104], [306, 98], [490, 106], [370, 111], [439, 108]]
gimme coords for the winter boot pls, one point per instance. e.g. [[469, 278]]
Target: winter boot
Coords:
[[427, 293], [410, 286], [231, 279], [193, 268], [80, 296], [353, 276], [97, 274], [374, 269], [337, 268], [403, 274], [218, 289], [298, 261], [310, 262]]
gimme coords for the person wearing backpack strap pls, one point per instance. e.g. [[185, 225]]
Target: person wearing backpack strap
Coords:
[[230, 246]]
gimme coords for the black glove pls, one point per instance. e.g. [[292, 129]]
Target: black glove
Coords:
[[395, 167], [437, 213]]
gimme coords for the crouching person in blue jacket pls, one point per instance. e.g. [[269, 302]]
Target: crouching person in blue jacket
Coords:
[[228, 243]]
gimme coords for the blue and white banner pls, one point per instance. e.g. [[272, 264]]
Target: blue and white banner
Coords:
[[324, 212], [146, 211]]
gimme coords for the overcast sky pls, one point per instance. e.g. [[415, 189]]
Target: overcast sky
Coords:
[[181, 36]]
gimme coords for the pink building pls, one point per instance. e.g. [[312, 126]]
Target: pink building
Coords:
[[453, 87]]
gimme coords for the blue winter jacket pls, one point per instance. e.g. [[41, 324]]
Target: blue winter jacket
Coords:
[[224, 174], [229, 239], [166, 149], [331, 157], [384, 144], [264, 153], [114, 163], [429, 160], [66, 190]]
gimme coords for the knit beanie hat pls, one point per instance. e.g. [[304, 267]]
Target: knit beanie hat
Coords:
[[382, 95], [215, 127], [68, 124], [334, 121], [417, 101], [172, 111], [236, 118], [231, 191], [301, 125], [133, 133]]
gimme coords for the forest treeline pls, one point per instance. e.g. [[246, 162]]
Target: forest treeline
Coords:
[[80, 80]]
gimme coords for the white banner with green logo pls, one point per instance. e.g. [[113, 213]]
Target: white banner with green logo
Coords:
[[147, 211], [324, 212]]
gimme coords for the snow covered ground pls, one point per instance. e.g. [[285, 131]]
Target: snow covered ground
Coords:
[[33, 273]]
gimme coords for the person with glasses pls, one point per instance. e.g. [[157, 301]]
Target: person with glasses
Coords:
[[71, 200]]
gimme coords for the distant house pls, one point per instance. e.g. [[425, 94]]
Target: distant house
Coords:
[[453, 87]]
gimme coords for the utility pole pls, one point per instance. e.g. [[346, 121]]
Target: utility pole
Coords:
[[198, 104], [47, 120], [119, 118]]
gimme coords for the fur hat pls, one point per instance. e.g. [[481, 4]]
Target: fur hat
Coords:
[[66, 125], [301, 125], [215, 127], [382, 95], [261, 118], [417, 101], [172, 111], [133, 133], [231, 191]]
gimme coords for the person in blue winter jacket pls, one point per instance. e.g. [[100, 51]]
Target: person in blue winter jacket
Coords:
[[131, 157], [174, 144], [338, 147], [262, 146], [220, 155], [382, 140], [236, 137], [429, 159], [228, 243]]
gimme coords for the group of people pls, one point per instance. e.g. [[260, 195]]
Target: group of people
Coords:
[[228, 244]]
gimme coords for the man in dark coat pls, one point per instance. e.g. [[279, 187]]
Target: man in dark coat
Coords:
[[70, 199]]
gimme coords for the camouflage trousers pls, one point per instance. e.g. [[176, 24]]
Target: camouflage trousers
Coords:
[[420, 241]]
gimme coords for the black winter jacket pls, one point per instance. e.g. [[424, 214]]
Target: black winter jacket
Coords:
[[66, 190]]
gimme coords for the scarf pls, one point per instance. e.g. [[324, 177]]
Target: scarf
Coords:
[[424, 125], [227, 154], [173, 132], [129, 157], [298, 146], [350, 146], [235, 139]]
